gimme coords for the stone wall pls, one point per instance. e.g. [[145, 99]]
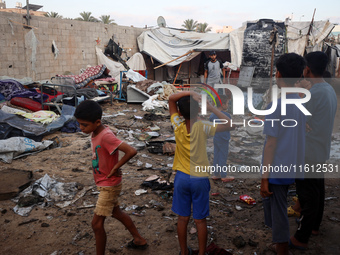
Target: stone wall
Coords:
[[27, 52]]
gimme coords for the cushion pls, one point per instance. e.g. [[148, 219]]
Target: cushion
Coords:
[[28, 104]]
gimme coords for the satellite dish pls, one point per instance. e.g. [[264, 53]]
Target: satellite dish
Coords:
[[161, 21]]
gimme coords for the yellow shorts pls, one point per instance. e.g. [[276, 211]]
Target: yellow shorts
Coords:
[[107, 200]]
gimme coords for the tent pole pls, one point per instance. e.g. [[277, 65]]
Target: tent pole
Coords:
[[189, 71], [177, 73], [189, 52]]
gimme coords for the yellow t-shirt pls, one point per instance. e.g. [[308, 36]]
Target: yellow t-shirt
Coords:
[[191, 153]]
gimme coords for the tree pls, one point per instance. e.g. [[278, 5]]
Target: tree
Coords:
[[190, 24], [53, 15], [106, 20], [203, 27], [86, 16]]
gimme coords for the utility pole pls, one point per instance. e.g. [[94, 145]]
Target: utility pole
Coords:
[[28, 13]]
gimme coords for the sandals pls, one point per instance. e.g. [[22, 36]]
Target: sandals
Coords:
[[292, 213], [132, 245]]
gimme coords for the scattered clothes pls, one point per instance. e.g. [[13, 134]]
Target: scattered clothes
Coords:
[[45, 117], [12, 88], [71, 127]]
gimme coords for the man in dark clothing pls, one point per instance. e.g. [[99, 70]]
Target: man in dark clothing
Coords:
[[311, 190]]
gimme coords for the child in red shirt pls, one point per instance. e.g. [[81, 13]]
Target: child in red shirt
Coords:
[[107, 174]]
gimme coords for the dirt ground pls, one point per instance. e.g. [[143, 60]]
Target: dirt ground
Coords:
[[68, 230]]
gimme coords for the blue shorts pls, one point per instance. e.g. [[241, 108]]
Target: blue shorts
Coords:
[[275, 213], [191, 190]]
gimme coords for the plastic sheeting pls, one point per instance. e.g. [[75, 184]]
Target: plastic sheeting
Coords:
[[136, 77], [136, 62], [49, 189], [236, 46], [15, 147], [166, 44], [153, 103], [297, 35], [31, 128]]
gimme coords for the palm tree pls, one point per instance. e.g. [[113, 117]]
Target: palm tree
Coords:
[[203, 27], [53, 15], [106, 20], [86, 16], [190, 24]]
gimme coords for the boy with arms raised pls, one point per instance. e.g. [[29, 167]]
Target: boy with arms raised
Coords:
[[284, 147], [107, 174], [191, 186]]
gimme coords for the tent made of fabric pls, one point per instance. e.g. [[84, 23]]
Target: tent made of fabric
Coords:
[[297, 34], [168, 44]]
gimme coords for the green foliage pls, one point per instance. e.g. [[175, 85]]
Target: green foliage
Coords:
[[190, 24], [106, 20], [53, 15], [87, 16], [203, 28]]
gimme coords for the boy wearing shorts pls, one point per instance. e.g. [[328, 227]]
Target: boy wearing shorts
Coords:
[[107, 174], [284, 148], [191, 186]]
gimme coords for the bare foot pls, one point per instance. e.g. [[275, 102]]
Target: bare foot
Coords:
[[297, 244]]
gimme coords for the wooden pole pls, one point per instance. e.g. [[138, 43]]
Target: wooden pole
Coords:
[[177, 74], [189, 52], [310, 30]]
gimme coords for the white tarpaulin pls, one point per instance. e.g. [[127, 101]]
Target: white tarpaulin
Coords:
[[136, 62], [14, 147], [166, 44], [297, 35], [236, 45]]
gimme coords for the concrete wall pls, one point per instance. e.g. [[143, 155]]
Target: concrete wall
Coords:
[[75, 40]]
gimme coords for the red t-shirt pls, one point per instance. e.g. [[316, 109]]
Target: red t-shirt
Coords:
[[104, 157]]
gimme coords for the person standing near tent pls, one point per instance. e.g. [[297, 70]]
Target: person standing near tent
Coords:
[[212, 70], [311, 190]]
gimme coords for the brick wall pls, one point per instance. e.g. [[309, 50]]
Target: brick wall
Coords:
[[75, 40]]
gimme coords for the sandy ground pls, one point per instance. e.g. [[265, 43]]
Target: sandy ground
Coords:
[[68, 230]]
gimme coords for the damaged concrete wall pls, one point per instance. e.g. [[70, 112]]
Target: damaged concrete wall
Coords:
[[28, 52], [257, 51]]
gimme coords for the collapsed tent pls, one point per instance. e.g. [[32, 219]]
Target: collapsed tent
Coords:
[[136, 62], [307, 36], [175, 45]]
